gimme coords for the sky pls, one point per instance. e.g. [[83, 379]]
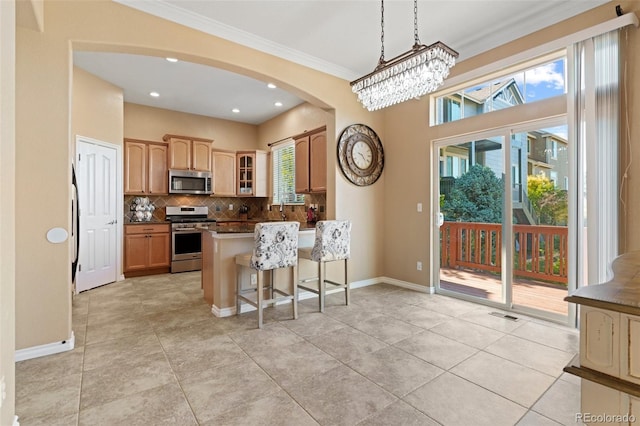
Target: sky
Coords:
[[542, 82]]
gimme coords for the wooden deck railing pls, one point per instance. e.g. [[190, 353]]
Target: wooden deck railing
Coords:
[[539, 252]]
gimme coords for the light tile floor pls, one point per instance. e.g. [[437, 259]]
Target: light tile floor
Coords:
[[149, 352]]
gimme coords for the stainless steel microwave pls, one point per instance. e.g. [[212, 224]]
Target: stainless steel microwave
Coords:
[[189, 182]]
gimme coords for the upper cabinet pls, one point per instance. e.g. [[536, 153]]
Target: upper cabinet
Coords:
[[223, 164], [311, 161], [189, 153], [251, 168], [145, 167]]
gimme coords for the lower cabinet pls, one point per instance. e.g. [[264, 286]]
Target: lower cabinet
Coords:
[[609, 344], [147, 249]]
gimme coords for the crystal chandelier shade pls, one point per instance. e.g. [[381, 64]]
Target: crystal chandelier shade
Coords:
[[414, 73]]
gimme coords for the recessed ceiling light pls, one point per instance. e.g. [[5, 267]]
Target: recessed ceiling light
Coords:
[[154, 94], [271, 86], [278, 104], [172, 60], [235, 110]]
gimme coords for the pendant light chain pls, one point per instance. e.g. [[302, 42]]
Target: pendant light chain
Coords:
[[415, 22], [381, 32], [417, 72]]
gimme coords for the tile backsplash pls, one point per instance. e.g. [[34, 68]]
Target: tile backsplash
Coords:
[[219, 206]]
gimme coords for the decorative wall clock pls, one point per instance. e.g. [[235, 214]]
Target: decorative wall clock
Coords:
[[360, 154]]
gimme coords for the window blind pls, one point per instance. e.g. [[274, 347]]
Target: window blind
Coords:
[[284, 174]]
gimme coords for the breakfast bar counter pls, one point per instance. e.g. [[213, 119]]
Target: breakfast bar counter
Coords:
[[219, 249]]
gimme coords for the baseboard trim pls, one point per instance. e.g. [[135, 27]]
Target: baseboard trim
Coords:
[[224, 312], [409, 285], [47, 349]]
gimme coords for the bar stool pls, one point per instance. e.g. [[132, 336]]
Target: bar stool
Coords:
[[276, 246], [332, 243]]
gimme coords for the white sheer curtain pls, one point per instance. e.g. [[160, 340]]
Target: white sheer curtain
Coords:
[[595, 111]]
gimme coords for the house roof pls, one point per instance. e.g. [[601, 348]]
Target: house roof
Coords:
[[482, 94]]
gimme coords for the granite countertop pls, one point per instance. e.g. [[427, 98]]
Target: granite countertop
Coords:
[[151, 222], [246, 226], [620, 294]]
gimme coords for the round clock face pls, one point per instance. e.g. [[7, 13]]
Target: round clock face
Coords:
[[360, 154]]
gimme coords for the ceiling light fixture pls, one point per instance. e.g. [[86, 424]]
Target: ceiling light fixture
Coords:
[[271, 86], [278, 104], [419, 71], [172, 59], [235, 110], [154, 94]]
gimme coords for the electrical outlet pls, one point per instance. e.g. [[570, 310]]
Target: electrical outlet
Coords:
[[230, 206], [419, 207], [254, 280], [419, 266]]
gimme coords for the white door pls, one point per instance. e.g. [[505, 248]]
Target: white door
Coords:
[[96, 166]]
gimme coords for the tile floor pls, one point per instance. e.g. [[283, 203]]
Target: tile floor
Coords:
[[149, 352]]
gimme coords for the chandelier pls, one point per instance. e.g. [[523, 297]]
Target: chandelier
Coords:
[[415, 73]]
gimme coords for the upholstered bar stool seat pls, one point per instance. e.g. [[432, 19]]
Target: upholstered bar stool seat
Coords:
[[332, 243], [275, 247]]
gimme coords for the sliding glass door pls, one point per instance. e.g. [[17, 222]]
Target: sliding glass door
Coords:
[[503, 197], [471, 200]]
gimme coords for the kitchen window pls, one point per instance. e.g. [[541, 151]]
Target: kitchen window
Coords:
[[283, 169]]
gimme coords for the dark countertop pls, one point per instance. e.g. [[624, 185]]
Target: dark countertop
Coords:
[[151, 222], [620, 294], [245, 226]]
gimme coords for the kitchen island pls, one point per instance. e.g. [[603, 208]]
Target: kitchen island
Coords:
[[220, 245]]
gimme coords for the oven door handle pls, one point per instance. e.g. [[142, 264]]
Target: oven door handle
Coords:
[[184, 230]]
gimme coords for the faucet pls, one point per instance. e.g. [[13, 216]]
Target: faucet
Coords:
[[282, 214]]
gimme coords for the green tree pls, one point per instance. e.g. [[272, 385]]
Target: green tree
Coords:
[[549, 203], [476, 196]]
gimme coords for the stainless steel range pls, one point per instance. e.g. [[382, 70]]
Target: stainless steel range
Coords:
[[186, 238]]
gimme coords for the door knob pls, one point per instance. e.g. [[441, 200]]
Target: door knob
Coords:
[[112, 222]]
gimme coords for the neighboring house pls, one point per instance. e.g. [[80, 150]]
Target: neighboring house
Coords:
[[538, 152], [547, 154]]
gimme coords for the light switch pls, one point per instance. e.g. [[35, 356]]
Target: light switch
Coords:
[[419, 207]]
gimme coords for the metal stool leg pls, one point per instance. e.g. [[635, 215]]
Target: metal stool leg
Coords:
[[260, 297], [346, 281], [322, 271], [238, 303], [294, 280]]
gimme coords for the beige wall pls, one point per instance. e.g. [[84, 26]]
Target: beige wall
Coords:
[[97, 111], [149, 123], [43, 164], [297, 120], [630, 146], [407, 233], [7, 208], [44, 150]]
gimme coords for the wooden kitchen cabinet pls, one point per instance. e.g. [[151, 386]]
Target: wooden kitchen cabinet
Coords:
[[251, 169], [147, 249], [189, 153], [311, 161], [145, 167], [224, 172], [302, 165]]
